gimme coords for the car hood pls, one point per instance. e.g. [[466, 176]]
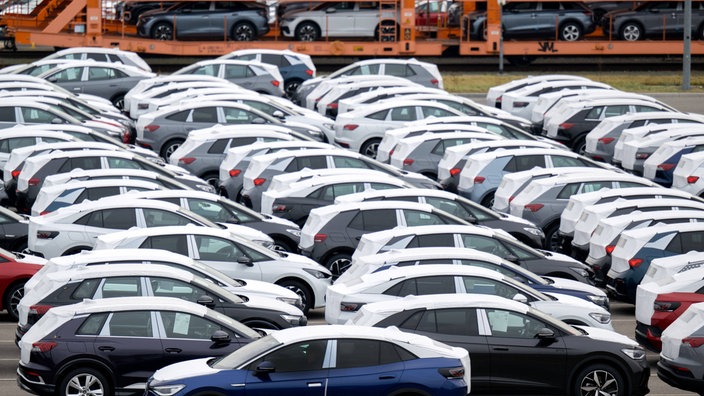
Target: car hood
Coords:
[[569, 284], [251, 234], [279, 220], [185, 369], [607, 335]]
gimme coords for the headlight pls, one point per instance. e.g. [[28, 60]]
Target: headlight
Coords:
[[294, 231], [206, 188], [635, 353], [166, 390], [296, 302], [316, 273], [534, 231], [599, 300], [602, 318], [295, 320], [581, 271]]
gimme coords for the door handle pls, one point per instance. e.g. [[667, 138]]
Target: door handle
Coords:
[[386, 377], [501, 348], [106, 348], [173, 350], [315, 384]]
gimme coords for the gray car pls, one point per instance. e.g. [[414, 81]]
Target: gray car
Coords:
[[655, 19], [252, 75], [206, 20], [104, 79]]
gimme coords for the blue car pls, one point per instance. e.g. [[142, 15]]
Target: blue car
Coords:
[[320, 360], [661, 170]]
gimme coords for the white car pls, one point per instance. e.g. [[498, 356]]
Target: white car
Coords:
[[101, 174], [548, 100], [161, 80], [327, 85], [74, 228], [232, 255], [326, 104], [689, 174], [635, 151], [144, 94], [343, 300], [393, 136], [101, 55], [19, 137], [252, 75], [244, 287], [349, 104], [666, 157], [494, 94], [361, 130]]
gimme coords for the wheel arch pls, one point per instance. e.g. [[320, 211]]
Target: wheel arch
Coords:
[[87, 362], [4, 300], [600, 359], [337, 250]]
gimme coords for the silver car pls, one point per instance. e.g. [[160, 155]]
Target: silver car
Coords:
[[252, 75]]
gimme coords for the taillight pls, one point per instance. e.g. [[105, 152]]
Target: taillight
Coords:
[[47, 234], [452, 372], [15, 174], [275, 83], [606, 140], [435, 81], [695, 342], [259, 181], [234, 172], [44, 212], [408, 162], [455, 171], [665, 306], [609, 249], [392, 152], [318, 238], [34, 181], [518, 105], [692, 179], [635, 262], [642, 156], [126, 137], [666, 167], [510, 199], [479, 179], [186, 160], [533, 207], [43, 346], [309, 72], [332, 105], [151, 128], [39, 309], [350, 127], [566, 125], [278, 208], [350, 307]]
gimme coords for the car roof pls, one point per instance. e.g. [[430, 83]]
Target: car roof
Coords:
[[617, 192], [137, 232], [649, 232], [405, 192], [425, 253], [102, 256], [107, 202], [84, 153], [370, 205], [240, 130], [96, 271], [75, 184], [583, 177], [440, 301], [118, 304], [428, 229]]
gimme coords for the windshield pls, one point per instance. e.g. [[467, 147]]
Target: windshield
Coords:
[[246, 354]]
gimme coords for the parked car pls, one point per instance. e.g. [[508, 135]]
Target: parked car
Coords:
[[129, 11], [347, 87], [461, 207], [16, 270], [255, 76], [686, 176], [343, 300], [657, 19], [680, 360], [100, 54], [590, 358], [294, 67], [567, 21], [335, 19], [206, 20], [18, 137], [660, 165], [635, 151], [351, 103], [494, 94], [232, 255], [300, 360], [127, 338], [660, 302]]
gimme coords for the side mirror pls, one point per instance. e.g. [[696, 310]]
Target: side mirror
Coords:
[[278, 114], [511, 258], [545, 333], [57, 120], [233, 220], [220, 337], [206, 300], [265, 367], [258, 121], [521, 298], [471, 219], [245, 260]]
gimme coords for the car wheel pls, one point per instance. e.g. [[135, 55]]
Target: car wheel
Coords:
[[212, 178], [552, 238], [261, 324], [12, 298], [599, 379], [488, 201], [118, 101], [580, 145], [570, 31], [307, 31], [291, 86], [370, 148], [84, 382], [244, 31], [283, 245], [163, 31], [169, 147], [76, 250], [631, 31], [338, 263], [303, 291]]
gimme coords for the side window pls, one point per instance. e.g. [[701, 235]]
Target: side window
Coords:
[[217, 249], [374, 220], [509, 324], [454, 321], [274, 59], [101, 192], [568, 191], [235, 71], [92, 324], [160, 218], [418, 218], [449, 206], [338, 190], [379, 115], [382, 186], [208, 70], [184, 325], [119, 218], [205, 114], [594, 113], [434, 240], [235, 115], [7, 145], [72, 74], [7, 114], [164, 287], [172, 243], [131, 324], [395, 69], [560, 161], [692, 241], [405, 113], [349, 162], [485, 244], [80, 162], [219, 146], [613, 111], [181, 116], [32, 115], [303, 356], [477, 285], [311, 162], [128, 286], [353, 353], [122, 163], [99, 73], [525, 162], [422, 286], [430, 111], [594, 186], [86, 289]]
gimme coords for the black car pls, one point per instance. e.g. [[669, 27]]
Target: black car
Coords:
[[521, 350], [654, 19], [112, 346], [13, 231]]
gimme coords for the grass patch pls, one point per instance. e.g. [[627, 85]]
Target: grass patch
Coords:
[[658, 82]]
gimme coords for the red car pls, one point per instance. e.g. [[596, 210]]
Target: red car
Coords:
[[15, 270]]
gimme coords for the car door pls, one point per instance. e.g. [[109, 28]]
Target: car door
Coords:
[[70, 78], [102, 81], [370, 221], [193, 20], [99, 222], [300, 369], [520, 18], [663, 16], [228, 257], [128, 341], [363, 366], [519, 358]]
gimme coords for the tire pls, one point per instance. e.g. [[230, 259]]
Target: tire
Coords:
[[284, 245], [244, 31], [338, 264], [300, 288], [599, 379], [261, 324], [488, 201], [430, 175], [570, 31], [552, 238], [84, 381], [163, 31], [118, 101], [291, 86], [307, 31], [631, 31], [212, 178], [580, 145], [12, 298], [370, 147], [76, 250], [169, 147]]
